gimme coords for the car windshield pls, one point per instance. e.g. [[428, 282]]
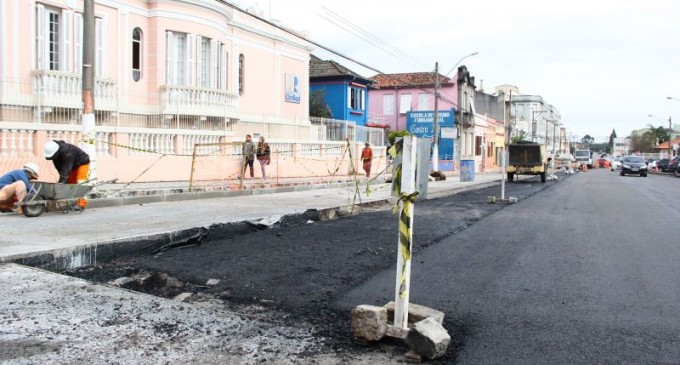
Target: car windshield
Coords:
[[633, 159]]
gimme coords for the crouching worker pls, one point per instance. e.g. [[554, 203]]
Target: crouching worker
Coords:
[[14, 186], [72, 163]]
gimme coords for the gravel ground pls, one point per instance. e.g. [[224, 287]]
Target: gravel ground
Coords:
[[291, 278]]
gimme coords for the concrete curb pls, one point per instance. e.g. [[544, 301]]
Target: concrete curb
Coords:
[[106, 251], [159, 196]]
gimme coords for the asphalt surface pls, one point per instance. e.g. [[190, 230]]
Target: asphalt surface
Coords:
[[304, 270], [581, 271]]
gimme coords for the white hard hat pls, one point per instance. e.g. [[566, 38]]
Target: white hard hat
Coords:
[[51, 148], [33, 168]]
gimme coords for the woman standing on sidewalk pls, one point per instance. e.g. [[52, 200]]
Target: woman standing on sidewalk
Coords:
[[263, 155]]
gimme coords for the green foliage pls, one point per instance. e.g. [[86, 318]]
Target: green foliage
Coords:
[[317, 105], [610, 145], [587, 140], [521, 137], [392, 136]]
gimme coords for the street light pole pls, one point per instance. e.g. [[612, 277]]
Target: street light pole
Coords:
[[435, 148], [670, 128]]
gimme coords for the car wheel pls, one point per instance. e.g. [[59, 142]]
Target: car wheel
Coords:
[[677, 172], [621, 173]]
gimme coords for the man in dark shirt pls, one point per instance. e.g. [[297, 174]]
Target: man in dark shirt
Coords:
[[14, 186], [72, 163]]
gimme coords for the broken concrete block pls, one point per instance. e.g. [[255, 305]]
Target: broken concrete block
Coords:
[[125, 282], [413, 357], [428, 338], [144, 278], [182, 297], [212, 282], [417, 313], [171, 282], [369, 322]]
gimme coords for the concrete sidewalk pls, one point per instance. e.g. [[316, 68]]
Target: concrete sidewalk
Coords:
[[59, 240]]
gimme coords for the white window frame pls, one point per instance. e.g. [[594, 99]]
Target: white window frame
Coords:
[[355, 98], [179, 58], [203, 61], [137, 72], [388, 104], [405, 101], [423, 101]]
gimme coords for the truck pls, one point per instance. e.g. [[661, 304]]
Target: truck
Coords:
[[584, 157], [526, 158]]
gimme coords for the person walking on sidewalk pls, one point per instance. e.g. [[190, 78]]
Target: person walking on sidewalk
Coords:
[[72, 163], [263, 155], [248, 156], [367, 158], [14, 186]]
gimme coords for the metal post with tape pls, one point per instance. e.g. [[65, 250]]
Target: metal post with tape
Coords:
[[403, 186]]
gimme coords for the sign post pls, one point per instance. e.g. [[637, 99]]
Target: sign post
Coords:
[[403, 186]]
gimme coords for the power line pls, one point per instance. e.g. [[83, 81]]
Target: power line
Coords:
[[328, 49], [381, 43]]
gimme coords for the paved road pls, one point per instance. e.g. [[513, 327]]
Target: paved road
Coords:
[[584, 274]]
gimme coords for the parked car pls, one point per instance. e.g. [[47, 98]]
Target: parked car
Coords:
[[616, 163], [673, 164], [651, 165], [662, 164], [602, 163], [677, 171], [633, 165]]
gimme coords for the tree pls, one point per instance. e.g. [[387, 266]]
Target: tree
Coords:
[[392, 136], [659, 133], [587, 140], [610, 147], [522, 136], [642, 143], [317, 105]]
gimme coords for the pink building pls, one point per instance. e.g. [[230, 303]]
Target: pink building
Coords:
[[397, 94], [169, 75]]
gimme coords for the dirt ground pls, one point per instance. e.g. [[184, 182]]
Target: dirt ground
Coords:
[[294, 275]]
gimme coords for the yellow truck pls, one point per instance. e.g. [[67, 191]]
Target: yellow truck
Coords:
[[526, 158]]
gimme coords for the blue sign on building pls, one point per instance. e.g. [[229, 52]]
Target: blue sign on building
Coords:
[[421, 124]]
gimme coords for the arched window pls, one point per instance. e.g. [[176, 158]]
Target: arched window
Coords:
[[241, 74], [136, 54]]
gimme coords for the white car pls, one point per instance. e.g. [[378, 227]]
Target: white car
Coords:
[[616, 163]]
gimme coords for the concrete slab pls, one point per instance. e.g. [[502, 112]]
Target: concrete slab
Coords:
[[53, 319]]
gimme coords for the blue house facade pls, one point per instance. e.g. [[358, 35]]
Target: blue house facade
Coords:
[[346, 92]]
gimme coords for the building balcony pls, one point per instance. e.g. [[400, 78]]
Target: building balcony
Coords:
[[190, 100], [64, 90]]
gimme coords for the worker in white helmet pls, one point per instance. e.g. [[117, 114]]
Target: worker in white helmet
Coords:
[[14, 186], [72, 163]]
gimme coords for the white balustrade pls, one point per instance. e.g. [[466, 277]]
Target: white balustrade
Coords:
[[191, 140], [151, 143], [187, 100], [63, 89], [17, 142]]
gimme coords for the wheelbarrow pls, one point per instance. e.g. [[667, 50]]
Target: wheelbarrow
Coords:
[[45, 196]]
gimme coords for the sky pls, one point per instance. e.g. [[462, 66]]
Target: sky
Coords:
[[604, 64]]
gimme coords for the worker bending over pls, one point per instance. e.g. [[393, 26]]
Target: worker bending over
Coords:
[[72, 163], [14, 186]]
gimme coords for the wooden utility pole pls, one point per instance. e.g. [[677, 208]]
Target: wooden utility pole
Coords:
[[88, 119]]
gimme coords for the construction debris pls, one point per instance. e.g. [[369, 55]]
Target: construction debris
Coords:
[[428, 338]]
